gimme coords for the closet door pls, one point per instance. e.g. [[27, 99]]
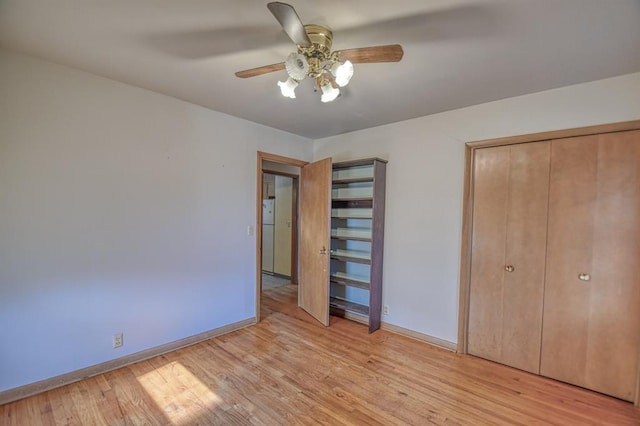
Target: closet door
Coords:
[[508, 253], [591, 331]]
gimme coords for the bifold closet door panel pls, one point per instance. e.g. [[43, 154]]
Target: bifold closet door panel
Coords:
[[490, 191], [569, 251], [526, 254], [508, 253], [591, 331]]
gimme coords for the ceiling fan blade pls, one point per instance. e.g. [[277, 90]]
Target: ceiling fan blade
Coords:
[[363, 55], [260, 70], [291, 23]]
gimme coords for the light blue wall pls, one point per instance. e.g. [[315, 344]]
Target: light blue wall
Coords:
[[121, 210]]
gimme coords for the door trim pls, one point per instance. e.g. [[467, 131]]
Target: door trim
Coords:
[[467, 211], [274, 158]]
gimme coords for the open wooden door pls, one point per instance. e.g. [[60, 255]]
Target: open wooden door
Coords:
[[315, 229]]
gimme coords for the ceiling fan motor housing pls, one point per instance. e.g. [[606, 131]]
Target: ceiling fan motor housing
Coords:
[[320, 49], [321, 41]]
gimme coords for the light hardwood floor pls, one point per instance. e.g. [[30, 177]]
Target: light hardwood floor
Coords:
[[290, 370], [271, 281]]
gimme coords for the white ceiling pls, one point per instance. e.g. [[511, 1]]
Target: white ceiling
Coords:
[[457, 52]]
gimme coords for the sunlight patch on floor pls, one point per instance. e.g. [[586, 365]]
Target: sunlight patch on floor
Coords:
[[178, 393]]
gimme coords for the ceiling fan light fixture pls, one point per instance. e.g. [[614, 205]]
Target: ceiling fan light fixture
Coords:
[[329, 93], [342, 72], [288, 88], [297, 66], [314, 57]]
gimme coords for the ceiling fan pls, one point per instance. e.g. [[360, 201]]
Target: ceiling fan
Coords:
[[314, 58]]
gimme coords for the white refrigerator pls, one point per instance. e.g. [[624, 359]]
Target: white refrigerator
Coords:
[[268, 210]]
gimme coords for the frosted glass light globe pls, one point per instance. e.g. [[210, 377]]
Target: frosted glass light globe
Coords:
[[288, 88], [329, 93], [342, 72]]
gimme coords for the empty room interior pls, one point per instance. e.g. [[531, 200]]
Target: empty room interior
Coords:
[[320, 212]]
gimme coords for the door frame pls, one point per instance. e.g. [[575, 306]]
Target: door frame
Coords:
[[467, 211], [274, 158]]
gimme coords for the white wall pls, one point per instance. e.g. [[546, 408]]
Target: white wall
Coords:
[[121, 210], [425, 182]]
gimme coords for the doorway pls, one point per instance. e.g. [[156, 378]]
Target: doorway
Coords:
[[279, 227], [277, 219]]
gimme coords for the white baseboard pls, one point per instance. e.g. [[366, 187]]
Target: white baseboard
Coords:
[[94, 370], [444, 344]]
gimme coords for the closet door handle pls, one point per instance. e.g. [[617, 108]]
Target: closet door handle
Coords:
[[323, 250], [509, 268], [584, 277]]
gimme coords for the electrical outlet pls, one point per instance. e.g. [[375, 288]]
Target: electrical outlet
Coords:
[[118, 340], [385, 310]]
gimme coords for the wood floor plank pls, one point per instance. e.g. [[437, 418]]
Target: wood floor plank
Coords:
[[42, 410], [87, 403], [288, 369], [315, 381], [283, 395], [133, 401]]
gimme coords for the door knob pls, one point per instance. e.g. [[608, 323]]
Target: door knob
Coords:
[[323, 250], [509, 268], [584, 277]]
